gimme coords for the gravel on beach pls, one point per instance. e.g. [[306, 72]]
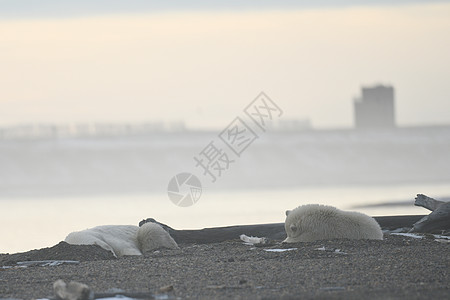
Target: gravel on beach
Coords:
[[397, 267]]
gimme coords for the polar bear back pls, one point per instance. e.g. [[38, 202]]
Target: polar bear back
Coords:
[[124, 239], [319, 222], [119, 239]]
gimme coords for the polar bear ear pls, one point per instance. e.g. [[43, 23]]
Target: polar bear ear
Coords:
[[288, 212], [293, 227]]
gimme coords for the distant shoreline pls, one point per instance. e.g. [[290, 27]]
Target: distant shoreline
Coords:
[[44, 131]]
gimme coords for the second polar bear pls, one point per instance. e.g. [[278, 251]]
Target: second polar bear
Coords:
[[313, 222], [124, 239]]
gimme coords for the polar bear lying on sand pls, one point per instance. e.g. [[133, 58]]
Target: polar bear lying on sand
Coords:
[[124, 239], [314, 222]]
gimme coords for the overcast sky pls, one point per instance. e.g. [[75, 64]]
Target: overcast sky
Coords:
[[103, 61]]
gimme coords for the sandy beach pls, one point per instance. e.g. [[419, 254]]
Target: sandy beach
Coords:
[[398, 267]]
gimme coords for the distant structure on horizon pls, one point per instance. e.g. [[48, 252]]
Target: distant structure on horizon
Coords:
[[375, 108]]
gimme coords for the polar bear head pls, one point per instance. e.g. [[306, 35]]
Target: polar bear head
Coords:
[[151, 236], [293, 228]]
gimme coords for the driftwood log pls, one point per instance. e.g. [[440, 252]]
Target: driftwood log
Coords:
[[437, 221], [273, 231]]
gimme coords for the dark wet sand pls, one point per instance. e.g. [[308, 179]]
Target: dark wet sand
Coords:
[[395, 268]]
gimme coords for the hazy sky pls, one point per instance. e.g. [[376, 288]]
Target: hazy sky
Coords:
[[101, 61]]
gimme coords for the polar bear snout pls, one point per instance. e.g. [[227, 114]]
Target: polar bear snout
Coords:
[[292, 231], [293, 228]]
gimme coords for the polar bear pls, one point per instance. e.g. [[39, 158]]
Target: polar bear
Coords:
[[313, 222], [124, 239]]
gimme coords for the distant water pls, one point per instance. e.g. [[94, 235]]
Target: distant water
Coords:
[[145, 163], [50, 187]]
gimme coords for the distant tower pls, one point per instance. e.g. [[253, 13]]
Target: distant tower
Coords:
[[375, 109]]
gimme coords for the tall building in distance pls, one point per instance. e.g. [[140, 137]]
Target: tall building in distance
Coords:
[[375, 108]]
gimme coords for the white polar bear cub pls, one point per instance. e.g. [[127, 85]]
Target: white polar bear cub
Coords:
[[124, 239], [313, 222]]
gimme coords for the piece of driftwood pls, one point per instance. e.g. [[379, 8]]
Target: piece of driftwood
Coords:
[[274, 231], [394, 222], [428, 202], [437, 221]]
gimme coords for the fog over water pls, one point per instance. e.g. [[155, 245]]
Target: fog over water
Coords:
[[145, 163]]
